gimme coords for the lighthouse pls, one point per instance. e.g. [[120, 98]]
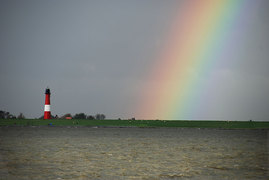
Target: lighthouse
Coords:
[[47, 114]]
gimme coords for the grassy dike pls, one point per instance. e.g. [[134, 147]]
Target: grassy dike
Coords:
[[137, 123]]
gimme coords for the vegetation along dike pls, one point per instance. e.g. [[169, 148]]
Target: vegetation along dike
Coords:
[[138, 123]]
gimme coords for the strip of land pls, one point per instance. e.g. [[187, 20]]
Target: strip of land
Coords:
[[138, 123]]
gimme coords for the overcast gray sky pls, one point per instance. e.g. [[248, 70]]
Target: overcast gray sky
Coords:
[[95, 57]]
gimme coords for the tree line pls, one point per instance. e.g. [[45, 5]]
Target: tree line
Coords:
[[79, 116], [8, 115]]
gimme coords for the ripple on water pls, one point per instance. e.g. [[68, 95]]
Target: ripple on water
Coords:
[[111, 153]]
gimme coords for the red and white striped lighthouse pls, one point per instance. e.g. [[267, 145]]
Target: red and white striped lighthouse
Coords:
[[47, 114]]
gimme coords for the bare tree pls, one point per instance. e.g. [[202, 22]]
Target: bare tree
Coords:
[[100, 116], [80, 116], [21, 116], [90, 117]]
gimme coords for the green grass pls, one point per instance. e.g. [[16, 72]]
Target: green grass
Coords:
[[137, 123]]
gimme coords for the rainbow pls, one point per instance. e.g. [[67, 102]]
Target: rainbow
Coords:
[[200, 34]]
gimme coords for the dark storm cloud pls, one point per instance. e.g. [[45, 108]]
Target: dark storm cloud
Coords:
[[95, 55], [91, 53]]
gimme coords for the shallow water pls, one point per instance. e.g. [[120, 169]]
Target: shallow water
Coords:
[[132, 153]]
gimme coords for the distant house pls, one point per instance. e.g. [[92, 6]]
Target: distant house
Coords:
[[68, 117]]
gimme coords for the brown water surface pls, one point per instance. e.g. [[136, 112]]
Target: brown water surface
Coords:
[[132, 153]]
